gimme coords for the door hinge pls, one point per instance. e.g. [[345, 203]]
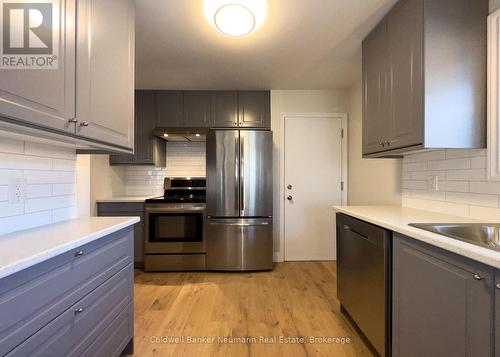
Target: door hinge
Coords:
[[342, 185], [342, 133]]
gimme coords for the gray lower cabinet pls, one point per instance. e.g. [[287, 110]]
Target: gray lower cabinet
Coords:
[[63, 306], [128, 209], [497, 312], [442, 303], [148, 149]]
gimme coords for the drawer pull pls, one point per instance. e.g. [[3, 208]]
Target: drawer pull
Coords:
[[79, 310], [79, 253], [477, 277], [497, 286]]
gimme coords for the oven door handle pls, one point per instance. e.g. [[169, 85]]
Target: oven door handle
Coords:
[[239, 224], [181, 210]]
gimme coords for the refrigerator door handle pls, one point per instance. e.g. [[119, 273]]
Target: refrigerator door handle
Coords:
[[239, 224], [242, 174], [237, 171]]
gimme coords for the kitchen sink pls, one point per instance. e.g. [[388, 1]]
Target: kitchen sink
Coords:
[[482, 234]]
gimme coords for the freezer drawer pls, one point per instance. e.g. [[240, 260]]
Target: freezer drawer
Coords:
[[240, 244]]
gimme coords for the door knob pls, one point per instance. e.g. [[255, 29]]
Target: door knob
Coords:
[[289, 187], [289, 198]]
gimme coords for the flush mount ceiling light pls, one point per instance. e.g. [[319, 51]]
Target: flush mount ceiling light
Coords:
[[236, 18]]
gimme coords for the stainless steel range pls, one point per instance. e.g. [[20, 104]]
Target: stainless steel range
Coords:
[[175, 238]]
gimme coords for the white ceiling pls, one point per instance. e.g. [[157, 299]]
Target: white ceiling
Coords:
[[303, 44]]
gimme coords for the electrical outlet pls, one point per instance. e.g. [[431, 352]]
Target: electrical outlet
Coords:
[[17, 190], [434, 183]]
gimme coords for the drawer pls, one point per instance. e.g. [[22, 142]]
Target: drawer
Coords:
[[35, 296], [78, 327], [116, 207], [112, 341]]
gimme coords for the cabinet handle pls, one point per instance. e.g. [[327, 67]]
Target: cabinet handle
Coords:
[[84, 123], [478, 277], [72, 120], [497, 285], [79, 253], [79, 310]]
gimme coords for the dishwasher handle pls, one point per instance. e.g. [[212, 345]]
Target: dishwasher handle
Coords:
[[379, 241]]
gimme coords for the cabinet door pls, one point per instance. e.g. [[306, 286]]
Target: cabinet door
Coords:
[[254, 109], [169, 109], [197, 109], [225, 109], [442, 304], [105, 71], [405, 49], [45, 97], [375, 89], [497, 312]]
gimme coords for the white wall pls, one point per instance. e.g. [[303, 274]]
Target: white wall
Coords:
[[371, 181], [105, 181], [50, 174], [297, 101]]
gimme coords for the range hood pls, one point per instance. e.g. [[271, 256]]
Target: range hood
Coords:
[[182, 135]]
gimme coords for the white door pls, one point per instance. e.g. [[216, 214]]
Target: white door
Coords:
[[313, 176]]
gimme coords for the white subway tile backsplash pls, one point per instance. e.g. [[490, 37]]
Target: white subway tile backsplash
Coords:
[[7, 175], [37, 191], [466, 175], [4, 193], [50, 192], [478, 162], [478, 199], [11, 146], [451, 164], [184, 159], [463, 188], [24, 162]]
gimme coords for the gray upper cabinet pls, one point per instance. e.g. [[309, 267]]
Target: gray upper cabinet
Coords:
[[169, 108], [225, 109], [375, 90], [45, 97], [442, 303], [148, 149], [404, 33], [197, 109], [254, 109], [423, 78], [105, 71]]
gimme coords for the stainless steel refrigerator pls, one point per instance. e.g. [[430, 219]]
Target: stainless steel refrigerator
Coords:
[[239, 229]]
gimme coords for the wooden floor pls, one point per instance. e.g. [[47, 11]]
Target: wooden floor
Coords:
[[295, 300]]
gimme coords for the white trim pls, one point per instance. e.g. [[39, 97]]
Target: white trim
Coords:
[[493, 97], [341, 116]]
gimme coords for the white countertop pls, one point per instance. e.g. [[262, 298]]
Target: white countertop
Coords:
[[126, 199], [24, 249], [396, 219]]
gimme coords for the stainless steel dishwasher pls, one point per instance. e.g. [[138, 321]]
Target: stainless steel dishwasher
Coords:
[[364, 279]]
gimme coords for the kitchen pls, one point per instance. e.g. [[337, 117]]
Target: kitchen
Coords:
[[249, 177]]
